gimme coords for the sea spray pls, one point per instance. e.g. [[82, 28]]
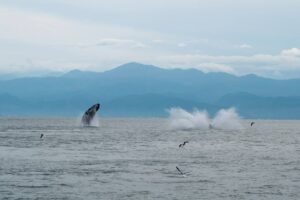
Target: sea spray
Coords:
[[180, 119], [227, 119], [94, 122]]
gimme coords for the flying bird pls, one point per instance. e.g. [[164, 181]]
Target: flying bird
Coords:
[[252, 123], [179, 170], [41, 135], [181, 145]]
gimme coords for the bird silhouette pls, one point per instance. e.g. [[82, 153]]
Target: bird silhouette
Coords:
[[179, 170], [181, 145]]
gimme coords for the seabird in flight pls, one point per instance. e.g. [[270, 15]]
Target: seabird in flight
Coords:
[[181, 145], [179, 170]]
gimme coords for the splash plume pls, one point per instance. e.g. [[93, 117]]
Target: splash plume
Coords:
[[180, 119]]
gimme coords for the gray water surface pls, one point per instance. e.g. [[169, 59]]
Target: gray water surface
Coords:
[[137, 159]]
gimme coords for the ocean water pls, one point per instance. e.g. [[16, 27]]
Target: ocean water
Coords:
[[137, 159]]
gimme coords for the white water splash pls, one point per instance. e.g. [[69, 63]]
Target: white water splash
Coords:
[[94, 122], [227, 119], [181, 119]]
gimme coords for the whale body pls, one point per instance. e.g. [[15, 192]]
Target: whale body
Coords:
[[90, 114]]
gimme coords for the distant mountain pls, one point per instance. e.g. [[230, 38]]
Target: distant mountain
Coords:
[[150, 105], [11, 76], [253, 106], [135, 89]]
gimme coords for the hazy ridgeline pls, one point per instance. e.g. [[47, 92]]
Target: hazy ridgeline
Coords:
[[137, 90]]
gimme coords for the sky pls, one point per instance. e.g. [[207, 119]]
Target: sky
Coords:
[[237, 37]]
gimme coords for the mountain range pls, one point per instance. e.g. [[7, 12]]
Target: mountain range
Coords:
[[138, 90]]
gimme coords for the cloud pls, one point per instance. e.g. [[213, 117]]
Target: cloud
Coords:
[[30, 27], [119, 42], [293, 52], [268, 65], [113, 42], [44, 29], [51, 42], [244, 46], [158, 41], [195, 59], [181, 44], [215, 67]]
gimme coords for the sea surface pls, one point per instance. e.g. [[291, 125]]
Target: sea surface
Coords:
[[137, 159]]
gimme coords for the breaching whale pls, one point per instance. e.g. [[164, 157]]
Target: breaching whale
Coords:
[[89, 114]]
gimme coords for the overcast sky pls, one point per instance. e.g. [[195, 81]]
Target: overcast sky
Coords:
[[238, 37]]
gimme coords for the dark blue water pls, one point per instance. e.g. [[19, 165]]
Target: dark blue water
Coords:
[[137, 159]]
